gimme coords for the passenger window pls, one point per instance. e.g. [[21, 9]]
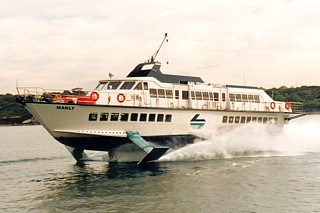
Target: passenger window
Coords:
[[243, 120], [250, 97], [93, 116], [153, 93], [232, 97], [216, 96], [205, 95], [104, 116], [161, 93], [114, 117], [134, 117], [152, 117], [259, 119], [100, 86], [237, 120], [139, 86], [198, 95], [224, 119], [257, 99], [143, 117], [168, 118], [244, 97], [176, 93], [230, 119], [193, 97], [210, 96], [254, 119], [160, 117], [145, 86], [185, 95], [248, 119], [238, 97], [223, 96], [275, 120], [169, 93], [127, 85], [265, 120], [124, 117]]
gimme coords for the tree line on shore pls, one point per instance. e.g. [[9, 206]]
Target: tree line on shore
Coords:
[[11, 112], [308, 95]]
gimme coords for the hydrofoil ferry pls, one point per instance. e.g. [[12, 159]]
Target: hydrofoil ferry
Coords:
[[151, 110]]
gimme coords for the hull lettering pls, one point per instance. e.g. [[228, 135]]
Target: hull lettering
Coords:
[[66, 107]]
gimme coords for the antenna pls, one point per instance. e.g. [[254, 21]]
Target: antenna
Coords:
[[17, 86], [153, 57]]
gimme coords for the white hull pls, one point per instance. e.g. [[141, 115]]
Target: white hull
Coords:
[[70, 121]]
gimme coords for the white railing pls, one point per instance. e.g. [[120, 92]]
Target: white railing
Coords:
[[38, 94]]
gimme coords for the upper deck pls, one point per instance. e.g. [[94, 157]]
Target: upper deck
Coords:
[[147, 86], [153, 70]]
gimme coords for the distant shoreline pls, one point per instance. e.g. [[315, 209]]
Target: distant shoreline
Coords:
[[313, 113]]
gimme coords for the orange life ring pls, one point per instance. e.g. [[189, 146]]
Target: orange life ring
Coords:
[[121, 97], [272, 105], [57, 97], [94, 96], [287, 105]]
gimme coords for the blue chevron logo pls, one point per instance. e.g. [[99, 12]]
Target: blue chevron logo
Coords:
[[196, 122]]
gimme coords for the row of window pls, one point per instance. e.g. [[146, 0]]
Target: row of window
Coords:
[[104, 116], [195, 95], [167, 93], [244, 98], [125, 85], [244, 119]]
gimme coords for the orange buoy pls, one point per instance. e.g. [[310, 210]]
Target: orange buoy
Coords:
[[94, 96], [272, 105], [287, 105], [121, 97]]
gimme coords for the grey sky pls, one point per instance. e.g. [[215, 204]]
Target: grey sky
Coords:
[[73, 43]]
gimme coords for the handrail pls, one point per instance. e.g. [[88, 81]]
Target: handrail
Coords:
[[297, 107], [38, 94]]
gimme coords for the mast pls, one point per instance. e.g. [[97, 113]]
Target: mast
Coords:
[[153, 57]]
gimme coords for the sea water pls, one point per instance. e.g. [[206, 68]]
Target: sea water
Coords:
[[244, 170]]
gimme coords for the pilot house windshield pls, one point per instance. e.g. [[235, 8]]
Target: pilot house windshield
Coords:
[[127, 85], [114, 85]]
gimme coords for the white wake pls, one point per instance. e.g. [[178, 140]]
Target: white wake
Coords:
[[300, 137]]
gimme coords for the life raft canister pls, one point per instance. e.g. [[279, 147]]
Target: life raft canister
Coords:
[[272, 105], [121, 97], [94, 96], [287, 105]]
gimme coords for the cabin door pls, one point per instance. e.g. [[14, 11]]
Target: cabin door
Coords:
[[185, 96], [146, 94], [222, 100]]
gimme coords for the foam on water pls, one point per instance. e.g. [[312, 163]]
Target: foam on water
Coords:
[[254, 140]]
